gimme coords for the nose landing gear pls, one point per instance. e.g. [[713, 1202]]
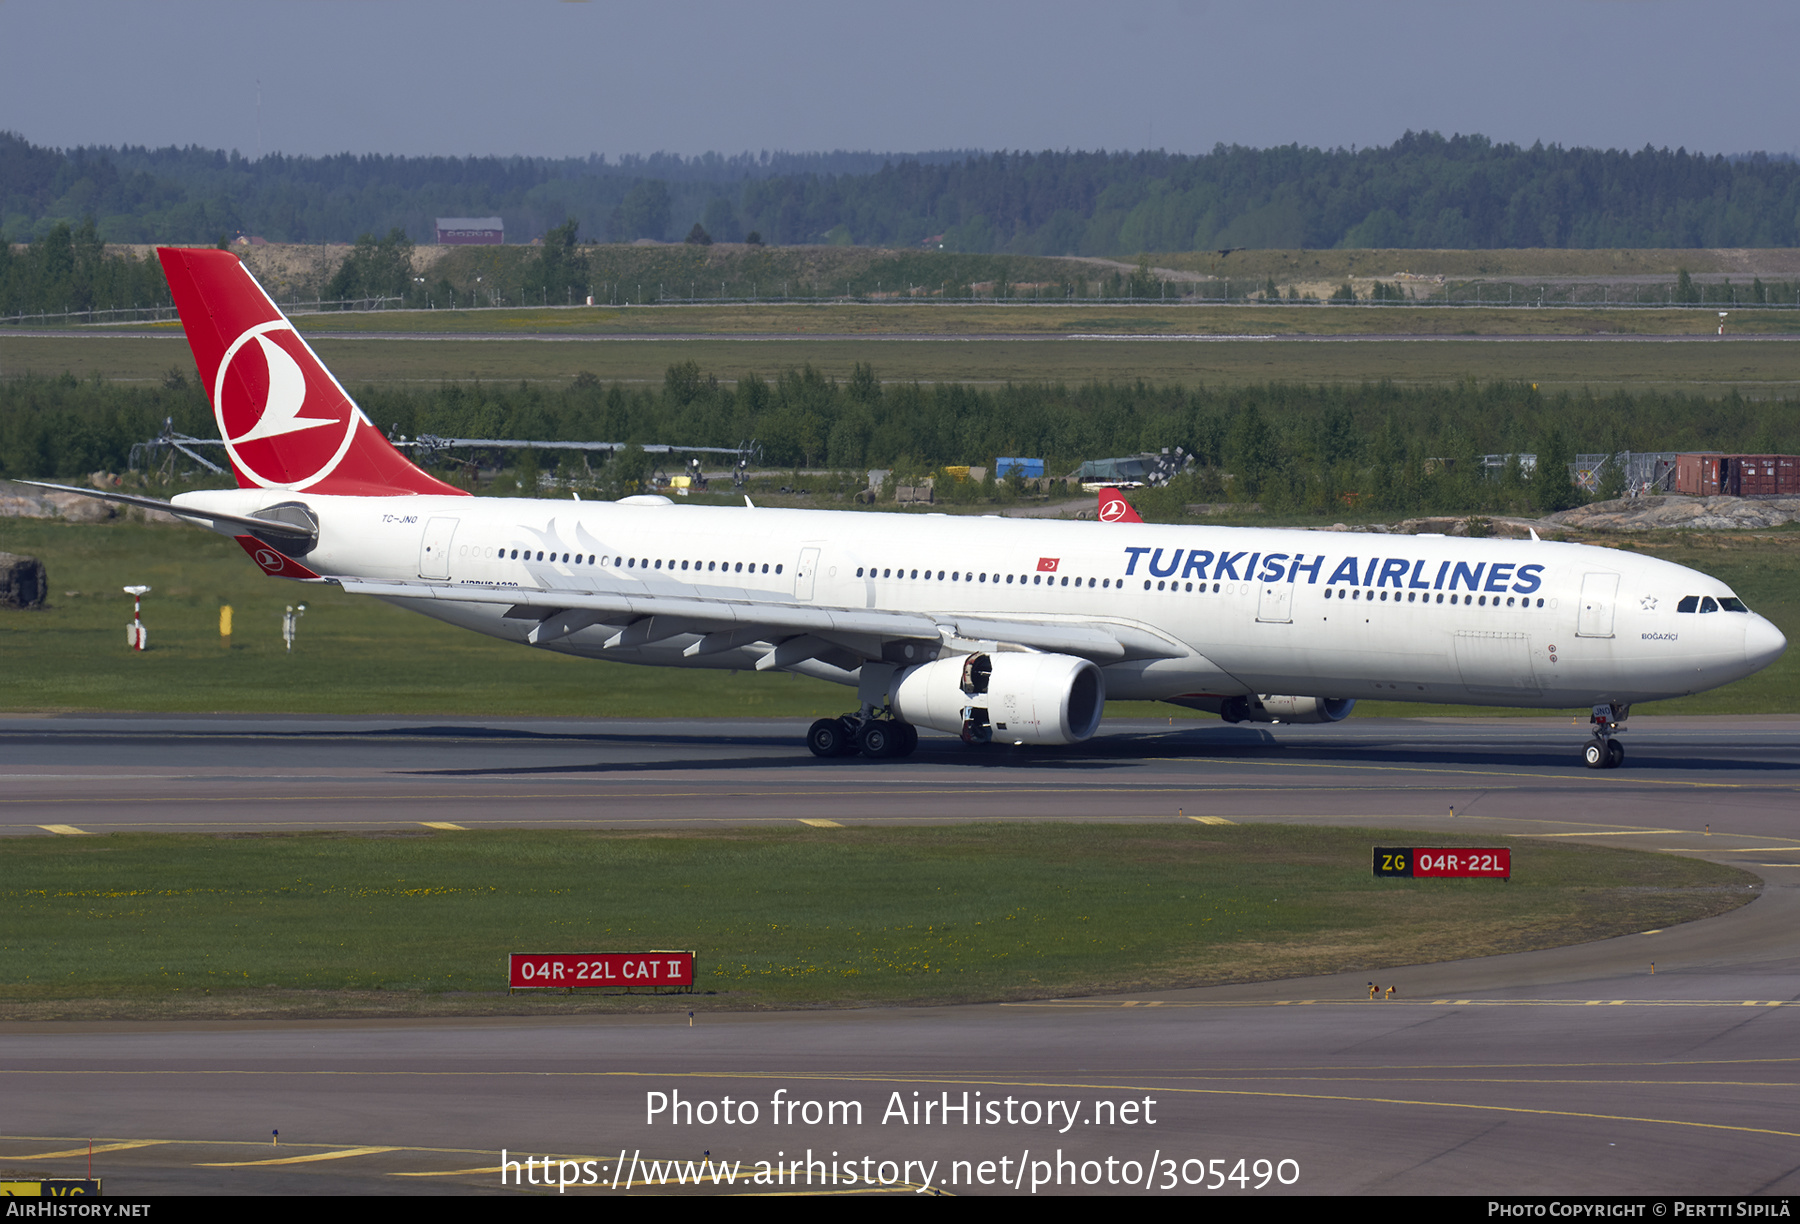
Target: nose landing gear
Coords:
[[1603, 751]]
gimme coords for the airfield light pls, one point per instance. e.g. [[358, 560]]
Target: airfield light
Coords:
[[135, 637], [290, 624], [1722, 315]]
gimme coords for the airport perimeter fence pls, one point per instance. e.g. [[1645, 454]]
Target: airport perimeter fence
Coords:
[[1486, 296], [1463, 295], [166, 312]]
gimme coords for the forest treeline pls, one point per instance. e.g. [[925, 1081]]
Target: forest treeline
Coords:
[[1422, 191], [1321, 450]]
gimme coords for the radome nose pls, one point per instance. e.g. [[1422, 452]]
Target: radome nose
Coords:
[[1763, 643]]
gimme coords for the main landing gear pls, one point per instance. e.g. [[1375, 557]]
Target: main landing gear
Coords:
[[852, 734], [1603, 751]]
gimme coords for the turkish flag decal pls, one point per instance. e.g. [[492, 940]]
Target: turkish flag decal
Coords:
[[1047, 565]]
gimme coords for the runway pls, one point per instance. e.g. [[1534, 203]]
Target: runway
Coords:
[[1570, 1071], [197, 773]]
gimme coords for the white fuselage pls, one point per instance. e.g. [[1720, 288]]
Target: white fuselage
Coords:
[[1237, 610]]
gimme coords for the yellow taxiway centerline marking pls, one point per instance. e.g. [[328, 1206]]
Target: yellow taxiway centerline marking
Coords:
[[1614, 833], [1212, 820], [442, 824], [96, 1149], [340, 1154], [822, 824], [65, 830]]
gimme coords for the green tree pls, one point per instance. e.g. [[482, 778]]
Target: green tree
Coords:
[[643, 213], [698, 236], [561, 271], [374, 268], [1552, 488], [630, 467], [1253, 451], [1143, 282], [721, 220]]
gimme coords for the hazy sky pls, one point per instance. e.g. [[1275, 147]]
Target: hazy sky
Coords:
[[576, 78]]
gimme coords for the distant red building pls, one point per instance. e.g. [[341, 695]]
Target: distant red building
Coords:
[[470, 231]]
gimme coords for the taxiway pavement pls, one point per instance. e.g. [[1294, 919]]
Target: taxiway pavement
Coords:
[[1568, 1071]]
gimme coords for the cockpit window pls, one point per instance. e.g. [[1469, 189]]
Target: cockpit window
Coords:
[[1689, 603], [1708, 604], [1733, 604]]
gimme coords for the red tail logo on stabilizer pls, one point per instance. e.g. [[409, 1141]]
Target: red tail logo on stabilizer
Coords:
[[274, 563], [1115, 509], [286, 422]]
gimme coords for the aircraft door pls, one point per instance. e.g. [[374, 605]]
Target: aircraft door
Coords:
[[434, 549], [1276, 605], [1598, 592], [804, 572]]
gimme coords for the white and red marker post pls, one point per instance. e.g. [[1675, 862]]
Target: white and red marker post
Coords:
[[135, 635]]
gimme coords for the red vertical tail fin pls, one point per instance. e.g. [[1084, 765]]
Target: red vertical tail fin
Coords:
[[1115, 509], [286, 422]]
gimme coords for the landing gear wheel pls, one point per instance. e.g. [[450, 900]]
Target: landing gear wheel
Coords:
[[1595, 755], [1615, 754], [826, 738], [852, 732], [909, 738], [878, 739]]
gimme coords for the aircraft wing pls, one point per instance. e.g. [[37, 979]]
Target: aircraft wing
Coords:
[[862, 631]]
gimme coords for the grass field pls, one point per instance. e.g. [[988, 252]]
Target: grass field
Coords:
[[1026, 319], [1757, 369], [146, 926], [72, 655], [1519, 263]]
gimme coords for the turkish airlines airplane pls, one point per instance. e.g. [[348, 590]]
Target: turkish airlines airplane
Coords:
[[1005, 630]]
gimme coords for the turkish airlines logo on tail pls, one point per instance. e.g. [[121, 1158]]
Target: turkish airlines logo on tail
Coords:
[[284, 419], [273, 563], [1115, 509]]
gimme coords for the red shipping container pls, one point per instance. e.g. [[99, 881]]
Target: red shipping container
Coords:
[[1697, 475], [1754, 475], [1787, 474]]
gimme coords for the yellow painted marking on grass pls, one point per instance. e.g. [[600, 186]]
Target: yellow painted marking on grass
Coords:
[[452, 1173], [442, 824], [822, 824], [1612, 833], [310, 1158], [96, 1149], [65, 830], [1212, 820]]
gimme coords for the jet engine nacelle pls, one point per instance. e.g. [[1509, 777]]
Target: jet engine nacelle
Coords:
[[1011, 697], [1279, 708]]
